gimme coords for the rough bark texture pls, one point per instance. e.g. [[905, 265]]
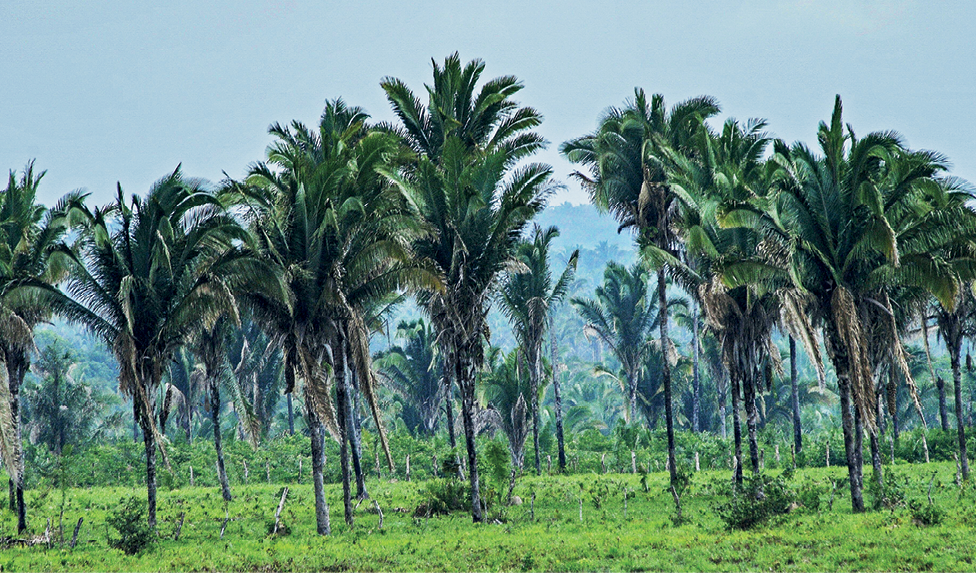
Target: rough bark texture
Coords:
[[560, 439], [449, 408], [218, 444], [536, 373], [943, 410], [291, 415], [342, 403], [465, 377], [736, 433], [149, 441], [16, 370], [957, 394], [317, 431], [355, 435], [795, 398], [666, 373], [850, 447], [752, 422]]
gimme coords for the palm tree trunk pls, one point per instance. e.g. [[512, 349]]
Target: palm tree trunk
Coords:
[[16, 371], [723, 430], [666, 372], [696, 377], [850, 438], [149, 442], [893, 404], [317, 433], [943, 410], [465, 378], [355, 434], [214, 384], [795, 398], [752, 421], [291, 415], [536, 377], [736, 432], [560, 440], [342, 403], [954, 353], [449, 408]]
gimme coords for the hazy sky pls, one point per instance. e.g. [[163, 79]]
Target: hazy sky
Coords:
[[108, 91]]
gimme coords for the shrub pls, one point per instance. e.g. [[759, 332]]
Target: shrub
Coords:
[[129, 520], [760, 499], [443, 496], [893, 493], [809, 496], [925, 513]]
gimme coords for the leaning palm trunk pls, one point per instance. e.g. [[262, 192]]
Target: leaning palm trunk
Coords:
[[214, 390], [343, 407], [666, 373], [355, 435]]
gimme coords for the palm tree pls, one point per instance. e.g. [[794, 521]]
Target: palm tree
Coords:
[[153, 268], [339, 236], [465, 185], [851, 269], [527, 298], [209, 347], [507, 392], [413, 373], [33, 257], [623, 315], [628, 176]]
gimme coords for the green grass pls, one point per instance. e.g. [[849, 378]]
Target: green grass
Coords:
[[646, 539]]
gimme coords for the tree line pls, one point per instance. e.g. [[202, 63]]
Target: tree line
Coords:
[[859, 244]]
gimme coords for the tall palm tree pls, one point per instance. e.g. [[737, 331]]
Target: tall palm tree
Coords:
[[628, 176], [527, 297], [849, 269], [413, 372], [623, 315], [339, 236], [33, 257], [153, 268], [466, 186]]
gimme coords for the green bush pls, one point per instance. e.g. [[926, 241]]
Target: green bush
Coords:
[[129, 521], [444, 496], [925, 513], [760, 499]]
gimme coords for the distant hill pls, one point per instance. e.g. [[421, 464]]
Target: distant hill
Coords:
[[584, 226]]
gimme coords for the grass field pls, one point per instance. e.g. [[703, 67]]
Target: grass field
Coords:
[[546, 535]]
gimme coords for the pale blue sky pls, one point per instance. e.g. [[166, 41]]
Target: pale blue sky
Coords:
[[101, 92]]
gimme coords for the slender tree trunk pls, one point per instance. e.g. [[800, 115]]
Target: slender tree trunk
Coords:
[[957, 395], [666, 373], [214, 384], [723, 431], [449, 408], [16, 370], [695, 377], [736, 431], [465, 378], [317, 432], [560, 440], [632, 396], [943, 410], [135, 421], [355, 435], [893, 404], [795, 395], [876, 458], [291, 415], [850, 438], [752, 420], [189, 421], [342, 401], [149, 441], [536, 378]]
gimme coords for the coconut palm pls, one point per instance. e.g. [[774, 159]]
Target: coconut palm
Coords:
[[465, 185], [628, 176], [153, 268], [527, 297], [33, 257]]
